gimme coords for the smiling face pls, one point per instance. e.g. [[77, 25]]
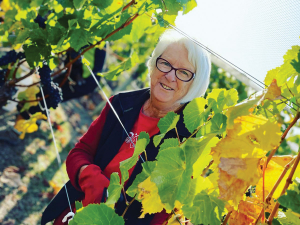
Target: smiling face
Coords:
[[166, 89]]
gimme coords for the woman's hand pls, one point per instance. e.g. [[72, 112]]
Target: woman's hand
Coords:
[[93, 183]]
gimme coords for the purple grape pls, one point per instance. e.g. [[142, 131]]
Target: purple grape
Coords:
[[40, 21]]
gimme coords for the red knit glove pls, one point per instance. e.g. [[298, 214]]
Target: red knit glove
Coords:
[[92, 183]]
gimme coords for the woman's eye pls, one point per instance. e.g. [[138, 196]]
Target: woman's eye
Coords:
[[183, 72], [166, 63]]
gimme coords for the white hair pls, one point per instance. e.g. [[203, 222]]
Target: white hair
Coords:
[[197, 56]]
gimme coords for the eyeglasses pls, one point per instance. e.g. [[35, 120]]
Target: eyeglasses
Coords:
[[182, 74]]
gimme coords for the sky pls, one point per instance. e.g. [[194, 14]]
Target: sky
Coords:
[[254, 34]]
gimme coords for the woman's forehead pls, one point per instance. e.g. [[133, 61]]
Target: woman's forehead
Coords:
[[177, 55]]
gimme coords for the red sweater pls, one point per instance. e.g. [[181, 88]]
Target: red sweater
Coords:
[[85, 150]]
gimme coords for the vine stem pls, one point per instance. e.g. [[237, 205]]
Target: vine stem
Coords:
[[177, 135], [287, 183], [128, 5], [123, 214], [283, 137], [226, 218]]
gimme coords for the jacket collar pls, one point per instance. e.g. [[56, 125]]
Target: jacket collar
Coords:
[[133, 101]]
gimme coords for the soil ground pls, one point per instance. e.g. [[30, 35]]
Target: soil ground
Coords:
[[29, 172]]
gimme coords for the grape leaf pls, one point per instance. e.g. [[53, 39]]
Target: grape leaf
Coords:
[[148, 195], [78, 38], [127, 164], [170, 142], [250, 137], [29, 126], [217, 125], [147, 169], [193, 117], [114, 190], [127, 64], [166, 124], [223, 99], [78, 4], [189, 6], [174, 169], [97, 214], [288, 218], [291, 199], [78, 205], [242, 109], [206, 209], [29, 94]]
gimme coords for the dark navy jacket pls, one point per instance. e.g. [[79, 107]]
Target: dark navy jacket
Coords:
[[127, 105]]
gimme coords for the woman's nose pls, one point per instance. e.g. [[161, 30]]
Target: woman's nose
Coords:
[[171, 75]]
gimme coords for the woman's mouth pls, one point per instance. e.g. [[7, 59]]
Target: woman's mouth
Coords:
[[166, 87]]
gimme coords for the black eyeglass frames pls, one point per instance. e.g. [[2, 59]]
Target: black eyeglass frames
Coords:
[[182, 74]]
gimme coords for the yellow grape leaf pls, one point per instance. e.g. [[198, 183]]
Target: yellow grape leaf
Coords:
[[238, 218], [251, 137], [272, 173], [149, 197], [29, 126], [29, 94], [204, 183], [282, 160], [273, 91], [231, 188], [250, 207], [248, 169]]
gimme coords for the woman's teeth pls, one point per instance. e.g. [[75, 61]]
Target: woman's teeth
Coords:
[[166, 87]]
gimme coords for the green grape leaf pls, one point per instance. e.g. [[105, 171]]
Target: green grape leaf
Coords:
[[148, 167], [78, 4], [168, 143], [165, 124], [130, 62], [97, 214], [34, 53], [78, 205], [291, 199], [139, 26], [223, 98], [204, 158], [174, 169], [217, 125], [78, 38], [130, 162], [114, 190], [206, 209], [191, 4], [193, 117], [288, 218], [102, 4]]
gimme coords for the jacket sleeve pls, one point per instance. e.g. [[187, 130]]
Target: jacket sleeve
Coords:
[[85, 149]]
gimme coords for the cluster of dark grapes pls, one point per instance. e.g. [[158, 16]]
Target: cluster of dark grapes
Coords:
[[10, 57], [50, 88], [40, 21], [55, 95]]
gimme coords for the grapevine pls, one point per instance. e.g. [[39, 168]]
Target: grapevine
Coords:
[[218, 173]]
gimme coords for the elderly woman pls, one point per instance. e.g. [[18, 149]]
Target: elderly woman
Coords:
[[179, 72]]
